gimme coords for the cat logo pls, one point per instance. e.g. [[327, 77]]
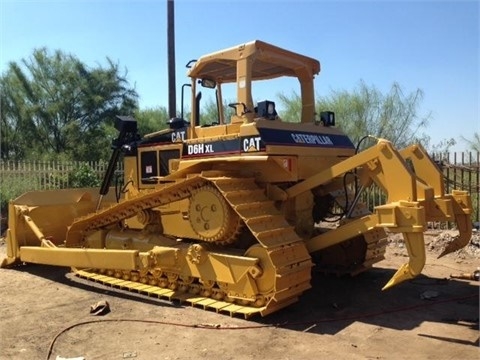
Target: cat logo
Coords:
[[178, 136], [251, 144]]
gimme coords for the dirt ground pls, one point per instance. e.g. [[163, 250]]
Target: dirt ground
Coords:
[[45, 314]]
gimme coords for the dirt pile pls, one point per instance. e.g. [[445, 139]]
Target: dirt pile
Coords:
[[436, 241]]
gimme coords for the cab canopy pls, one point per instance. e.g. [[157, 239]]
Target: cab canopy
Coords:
[[258, 60], [267, 62]]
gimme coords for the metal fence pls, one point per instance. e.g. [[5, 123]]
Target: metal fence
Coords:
[[461, 171], [41, 175]]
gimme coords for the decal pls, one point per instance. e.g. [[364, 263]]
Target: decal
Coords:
[[196, 149], [257, 143], [312, 139], [298, 138], [213, 148], [178, 136], [287, 164], [251, 144]]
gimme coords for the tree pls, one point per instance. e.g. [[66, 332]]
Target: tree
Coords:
[[151, 120], [13, 141], [209, 112], [474, 143], [367, 111], [442, 148], [291, 107], [54, 106]]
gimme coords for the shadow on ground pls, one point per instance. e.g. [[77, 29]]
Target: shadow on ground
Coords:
[[334, 302], [66, 277]]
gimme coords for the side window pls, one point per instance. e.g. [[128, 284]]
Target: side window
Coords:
[[165, 156], [148, 165]]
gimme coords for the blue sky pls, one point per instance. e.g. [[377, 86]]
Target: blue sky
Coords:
[[430, 45]]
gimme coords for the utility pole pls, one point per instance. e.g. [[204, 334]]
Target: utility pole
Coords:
[[172, 94]]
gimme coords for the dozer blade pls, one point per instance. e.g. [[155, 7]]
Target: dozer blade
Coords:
[[38, 215], [42, 218], [416, 251]]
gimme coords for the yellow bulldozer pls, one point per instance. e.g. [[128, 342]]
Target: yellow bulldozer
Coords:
[[232, 215]]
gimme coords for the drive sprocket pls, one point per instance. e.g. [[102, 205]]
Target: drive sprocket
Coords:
[[211, 217]]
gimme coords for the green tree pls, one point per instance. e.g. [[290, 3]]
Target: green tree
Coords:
[[83, 176], [291, 107], [440, 148], [54, 106], [367, 111], [474, 142], [14, 140], [209, 112], [151, 119]]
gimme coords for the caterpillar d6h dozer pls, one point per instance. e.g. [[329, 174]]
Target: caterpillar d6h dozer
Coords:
[[228, 216]]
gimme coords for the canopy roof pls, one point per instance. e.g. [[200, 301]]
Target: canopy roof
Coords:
[[268, 61]]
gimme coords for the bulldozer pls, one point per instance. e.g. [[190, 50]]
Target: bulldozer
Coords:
[[234, 215]]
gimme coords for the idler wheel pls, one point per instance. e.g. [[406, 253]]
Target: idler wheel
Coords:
[[266, 279]]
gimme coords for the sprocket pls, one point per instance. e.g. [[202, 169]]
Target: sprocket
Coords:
[[211, 217]]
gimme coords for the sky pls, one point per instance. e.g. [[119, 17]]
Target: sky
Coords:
[[433, 46]]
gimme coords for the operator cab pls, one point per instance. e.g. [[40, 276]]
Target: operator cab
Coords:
[[237, 69]]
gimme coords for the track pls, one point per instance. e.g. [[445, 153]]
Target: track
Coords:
[[286, 251], [280, 254], [126, 209]]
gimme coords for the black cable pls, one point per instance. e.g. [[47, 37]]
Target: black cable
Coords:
[[217, 327]]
